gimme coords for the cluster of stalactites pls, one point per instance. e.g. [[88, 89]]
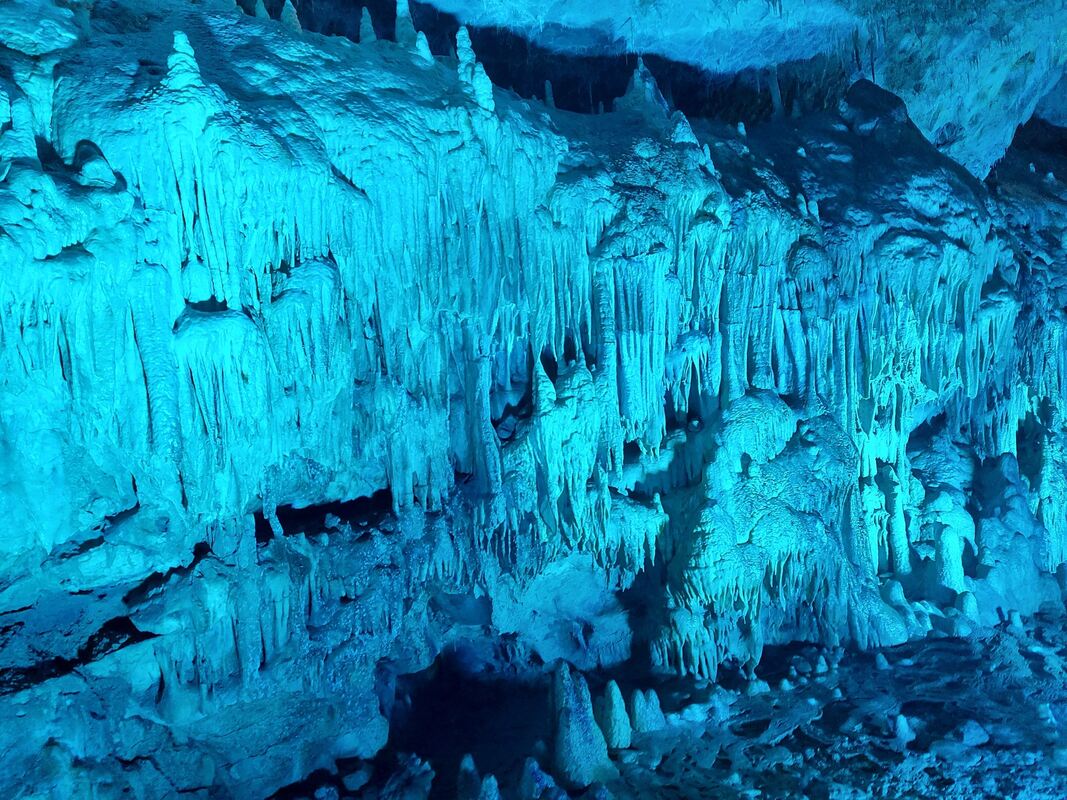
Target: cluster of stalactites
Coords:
[[733, 610], [275, 286], [243, 274]]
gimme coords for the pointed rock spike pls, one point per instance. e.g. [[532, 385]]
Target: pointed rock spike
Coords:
[[289, 17], [581, 754], [422, 48], [182, 69], [613, 718], [405, 28], [468, 782], [464, 52], [366, 28]]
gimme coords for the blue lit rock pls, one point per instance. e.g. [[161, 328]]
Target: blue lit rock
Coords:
[[581, 754], [322, 360], [998, 62], [613, 718]]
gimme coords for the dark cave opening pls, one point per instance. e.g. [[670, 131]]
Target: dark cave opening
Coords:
[[1029, 441], [1038, 145], [550, 364], [590, 82], [499, 721], [360, 513], [1038, 134]]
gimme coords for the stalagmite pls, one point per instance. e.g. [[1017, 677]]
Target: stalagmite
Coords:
[[903, 734], [490, 790], [422, 47], [289, 18], [412, 782], [536, 784], [405, 28], [643, 97], [645, 712], [483, 89], [182, 70], [366, 27], [471, 73], [580, 752], [613, 719], [465, 55], [330, 370], [468, 782]]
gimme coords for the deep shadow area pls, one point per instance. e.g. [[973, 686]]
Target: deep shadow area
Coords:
[[1040, 135], [363, 512], [590, 82], [446, 711], [112, 636], [1037, 138]]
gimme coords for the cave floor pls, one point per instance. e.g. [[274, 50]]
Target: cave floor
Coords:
[[944, 718], [981, 717]]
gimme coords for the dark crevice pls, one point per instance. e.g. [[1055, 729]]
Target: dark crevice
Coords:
[[346, 180], [362, 513], [631, 453], [157, 580], [112, 636], [1030, 440], [82, 546], [550, 365], [49, 158], [211, 305]]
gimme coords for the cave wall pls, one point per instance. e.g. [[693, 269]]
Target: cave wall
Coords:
[[516, 366]]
